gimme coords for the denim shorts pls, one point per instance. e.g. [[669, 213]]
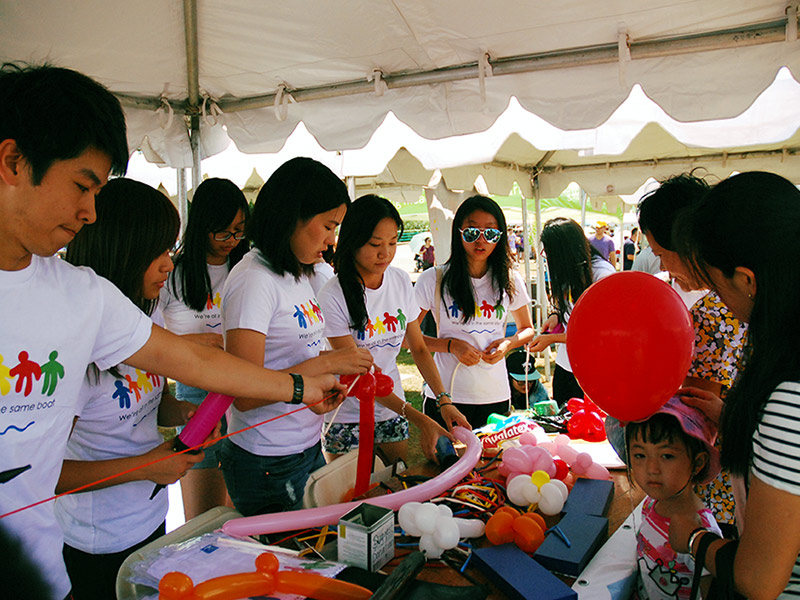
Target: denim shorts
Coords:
[[196, 396], [343, 437], [267, 484]]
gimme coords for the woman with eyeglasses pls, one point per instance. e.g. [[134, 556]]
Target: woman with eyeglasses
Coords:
[[371, 304], [471, 297], [573, 264], [272, 317], [191, 303]]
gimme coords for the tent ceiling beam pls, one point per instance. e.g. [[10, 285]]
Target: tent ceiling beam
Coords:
[[747, 35]]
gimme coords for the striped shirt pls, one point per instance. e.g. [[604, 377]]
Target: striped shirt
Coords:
[[776, 452]]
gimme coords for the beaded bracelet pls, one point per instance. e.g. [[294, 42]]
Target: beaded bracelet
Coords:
[[403, 410], [439, 399]]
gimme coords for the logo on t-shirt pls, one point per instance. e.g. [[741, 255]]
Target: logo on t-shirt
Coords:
[[144, 384], [484, 310], [216, 301], [308, 315], [387, 323], [27, 371]]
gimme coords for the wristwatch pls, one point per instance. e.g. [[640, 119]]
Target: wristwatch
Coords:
[[297, 390]]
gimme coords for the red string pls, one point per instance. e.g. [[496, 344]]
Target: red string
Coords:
[[158, 460]]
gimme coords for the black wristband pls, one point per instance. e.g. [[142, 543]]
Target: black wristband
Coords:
[[297, 391]]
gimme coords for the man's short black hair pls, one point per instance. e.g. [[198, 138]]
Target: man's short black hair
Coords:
[[54, 114]]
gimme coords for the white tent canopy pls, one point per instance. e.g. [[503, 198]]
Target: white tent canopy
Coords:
[[449, 66]]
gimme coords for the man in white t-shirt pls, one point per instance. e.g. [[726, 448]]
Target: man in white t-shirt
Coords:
[[61, 135]]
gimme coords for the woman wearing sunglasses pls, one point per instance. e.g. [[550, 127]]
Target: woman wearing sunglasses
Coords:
[[272, 318], [371, 304], [573, 264], [212, 244], [471, 297]]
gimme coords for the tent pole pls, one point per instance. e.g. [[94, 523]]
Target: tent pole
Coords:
[[541, 300], [350, 181], [583, 208], [183, 205], [193, 86], [526, 247]]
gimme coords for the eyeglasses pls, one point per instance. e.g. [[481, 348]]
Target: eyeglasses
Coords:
[[222, 236], [471, 234]]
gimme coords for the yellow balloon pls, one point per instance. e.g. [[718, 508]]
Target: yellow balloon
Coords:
[[539, 478]]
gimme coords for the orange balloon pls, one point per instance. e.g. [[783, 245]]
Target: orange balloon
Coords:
[[509, 509], [527, 534], [175, 586], [539, 519], [500, 528], [316, 586]]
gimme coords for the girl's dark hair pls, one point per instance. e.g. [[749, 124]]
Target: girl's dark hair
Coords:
[[214, 207], [752, 220], [569, 262], [357, 228], [299, 190], [659, 209], [135, 225], [456, 280], [662, 427]]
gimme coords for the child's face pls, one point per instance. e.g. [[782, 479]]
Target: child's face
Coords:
[[662, 470]]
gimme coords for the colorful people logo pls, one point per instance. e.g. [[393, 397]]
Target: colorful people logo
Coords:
[[27, 371]]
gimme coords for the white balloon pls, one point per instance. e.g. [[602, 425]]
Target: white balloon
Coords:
[[446, 535], [429, 547], [444, 511], [552, 501], [470, 528], [531, 493], [515, 489], [406, 518], [562, 486], [426, 517]]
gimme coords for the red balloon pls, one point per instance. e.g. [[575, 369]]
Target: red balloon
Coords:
[[383, 385], [562, 469], [630, 342], [347, 379], [365, 388]]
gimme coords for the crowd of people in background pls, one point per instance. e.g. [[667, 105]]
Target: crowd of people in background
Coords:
[[253, 309]]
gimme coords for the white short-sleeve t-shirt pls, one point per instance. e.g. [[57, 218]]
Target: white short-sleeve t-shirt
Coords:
[[181, 319], [482, 383], [600, 268], [389, 308], [56, 319], [118, 419], [288, 313]]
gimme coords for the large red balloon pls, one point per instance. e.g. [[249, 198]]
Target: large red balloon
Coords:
[[630, 342]]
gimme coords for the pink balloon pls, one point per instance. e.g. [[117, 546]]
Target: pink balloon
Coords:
[[528, 438], [535, 453], [329, 515], [517, 460], [597, 471], [583, 461], [550, 447], [567, 453], [503, 469], [562, 439], [513, 474]]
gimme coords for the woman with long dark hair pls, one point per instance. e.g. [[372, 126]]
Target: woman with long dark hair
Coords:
[[573, 264], [371, 304], [757, 277], [212, 244], [129, 244], [272, 318], [471, 297]]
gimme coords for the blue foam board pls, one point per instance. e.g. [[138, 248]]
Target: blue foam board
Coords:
[[518, 575], [586, 534], [590, 496]]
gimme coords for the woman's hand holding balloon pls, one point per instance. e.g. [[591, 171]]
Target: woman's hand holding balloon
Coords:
[[496, 351], [467, 354], [453, 417], [350, 360], [540, 342], [429, 432], [708, 402], [317, 387]]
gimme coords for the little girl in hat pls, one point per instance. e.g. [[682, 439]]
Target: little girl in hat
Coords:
[[668, 453]]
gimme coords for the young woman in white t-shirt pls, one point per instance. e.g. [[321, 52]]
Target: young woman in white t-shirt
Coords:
[[573, 264], [191, 302], [370, 304], [272, 317], [477, 290], [115, 429]]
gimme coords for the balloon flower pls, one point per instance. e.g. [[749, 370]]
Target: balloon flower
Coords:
[[636, 320], [507, 525], [438, 529], [549, 495], [265, 581]]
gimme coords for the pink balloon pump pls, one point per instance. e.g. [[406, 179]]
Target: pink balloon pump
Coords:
[[199, 426]]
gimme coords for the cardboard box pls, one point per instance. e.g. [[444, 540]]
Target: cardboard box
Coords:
[[518, 575], [366, 537], [586, 534]]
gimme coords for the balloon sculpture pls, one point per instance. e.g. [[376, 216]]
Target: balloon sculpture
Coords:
[[526, 530], [586, 421], [438, 529], [265, 581], [636, 321]]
